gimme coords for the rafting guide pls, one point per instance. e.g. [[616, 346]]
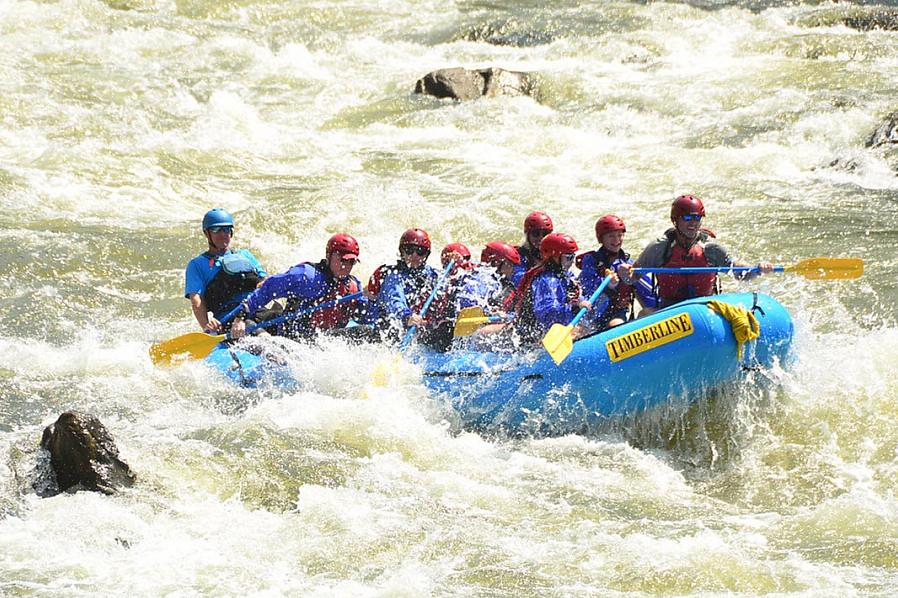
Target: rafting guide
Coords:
[[221, 277]]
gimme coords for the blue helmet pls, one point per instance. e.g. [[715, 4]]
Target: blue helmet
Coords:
[[217, 217]]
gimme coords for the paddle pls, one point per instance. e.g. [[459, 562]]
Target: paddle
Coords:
[[815, 268], [558, 340], [411, 331], [199, 344], [470, 319]]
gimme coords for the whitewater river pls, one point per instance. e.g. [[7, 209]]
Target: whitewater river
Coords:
[[122, 122]]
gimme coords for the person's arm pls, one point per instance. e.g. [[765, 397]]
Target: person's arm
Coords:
[[300, 281], [651, 257], [719, 256], [590, 279], [550, 302], [194, 285], [202, 314], [392, 296]]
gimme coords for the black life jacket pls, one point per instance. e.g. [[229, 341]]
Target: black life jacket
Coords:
[[237, 275]]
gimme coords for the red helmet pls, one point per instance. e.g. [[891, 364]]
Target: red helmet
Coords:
[[459, 248], [686, 204], [415, 236], [538, 221], [344, 244], [496, 252], [557, 244], [609, 224]]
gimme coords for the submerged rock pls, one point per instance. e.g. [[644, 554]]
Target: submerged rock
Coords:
[[83, 455], [887, 132], [508, 33], [467, 84], [880, 18]]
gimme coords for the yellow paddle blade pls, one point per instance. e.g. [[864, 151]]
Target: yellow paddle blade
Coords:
[[194, 344], [469, 320], [558, 342], [469, 326], [828, 268]]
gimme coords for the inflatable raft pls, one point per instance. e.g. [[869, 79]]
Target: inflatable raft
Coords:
[[676, 355]]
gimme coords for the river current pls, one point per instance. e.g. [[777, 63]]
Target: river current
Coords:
[[122, 122]]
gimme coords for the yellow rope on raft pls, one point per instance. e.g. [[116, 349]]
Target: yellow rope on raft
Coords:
[[744, 323]]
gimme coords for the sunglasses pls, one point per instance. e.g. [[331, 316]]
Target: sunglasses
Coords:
[[691, 217], [410, 249], [349, 261], [219, 229], [539, 233]]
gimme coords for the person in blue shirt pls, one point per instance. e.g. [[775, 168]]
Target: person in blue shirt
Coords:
[[489, 285], [307, 285], [220, 278], [536, 226], [548, 294], [595, 265], [403, 288]]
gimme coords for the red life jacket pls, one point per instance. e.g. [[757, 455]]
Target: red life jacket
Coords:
[[337, 316], [677, 287], [377, 278]]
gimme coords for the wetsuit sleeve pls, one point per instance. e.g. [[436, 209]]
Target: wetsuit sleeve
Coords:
[[590, 277], [550, 302], [252, 259], [653, 255], [302, 281], [392, 297]]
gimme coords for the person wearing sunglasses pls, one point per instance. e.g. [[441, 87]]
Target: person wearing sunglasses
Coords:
[[687, 244], [403, 288], [309, 284], [609, 257], [548, 294], [221, 277], [536, 226]]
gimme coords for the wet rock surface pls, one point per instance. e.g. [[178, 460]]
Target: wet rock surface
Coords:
[[83, 455], [467, 84]]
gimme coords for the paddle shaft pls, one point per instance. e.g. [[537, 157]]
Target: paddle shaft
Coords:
[[592, 299], [302, 312], [704, 270], [411, 331]]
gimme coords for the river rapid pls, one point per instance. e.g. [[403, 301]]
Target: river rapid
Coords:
[[122, 122]]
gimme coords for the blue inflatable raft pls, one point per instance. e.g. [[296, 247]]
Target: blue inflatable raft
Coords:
[[674, 356]]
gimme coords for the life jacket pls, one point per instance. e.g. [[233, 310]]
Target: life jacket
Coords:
[[377, 277], [237, 275], [621, 297], [328, 318], [672, 288]]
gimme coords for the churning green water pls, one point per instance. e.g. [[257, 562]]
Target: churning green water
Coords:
[[122, 122]]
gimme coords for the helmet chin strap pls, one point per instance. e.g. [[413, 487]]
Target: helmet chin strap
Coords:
[[212, 247]]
